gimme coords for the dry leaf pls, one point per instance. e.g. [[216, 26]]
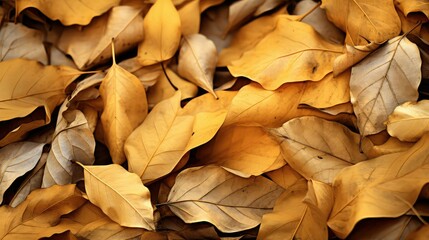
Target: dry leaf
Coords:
[[388, 77], [15, 160], [40, 213], [125, 108], [240, 11], [393, 181], [409, 121], [162, 33], [292, 52], [205, 4], [158, 144], [123, 198], [190, 18], [148, 75], [68, 12], [353, 55], [268, 5], [245, 151], [419, 234], [424, 53], [285, 176], [19, 41], [413, 6], [308, 146], [392, 145], [364, 21], [91, 45], [214, 195], [197, 61], [213, 25]]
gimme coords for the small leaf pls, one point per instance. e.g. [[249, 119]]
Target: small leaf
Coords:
[[197, 61], [162, 33], [122, 197], [214, 195], [388, 77], [15, 160]]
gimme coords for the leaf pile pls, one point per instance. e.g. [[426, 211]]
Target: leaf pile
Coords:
[[213, 119]]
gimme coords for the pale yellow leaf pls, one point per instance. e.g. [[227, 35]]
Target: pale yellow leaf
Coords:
[[190, 18], [392, 145], [120, 194], [393, 181], [158, 144], [69, 12], [247, 151], [40, 213], [162, 33], [364, 21], [352, 55], [285, 176], [125, 108], [409, 121], [229, 202], [388, 77], [19, 41], [15, 160], [197, 61]]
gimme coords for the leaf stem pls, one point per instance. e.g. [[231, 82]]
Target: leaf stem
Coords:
[[310, 11], [166, 75]]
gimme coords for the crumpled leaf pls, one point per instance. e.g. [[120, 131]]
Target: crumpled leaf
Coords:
[[292, 52], [39, 215], [388, 77], [125, 108], [244, 151], [364, 21], [299, 214], [413, 6], [393, 181], [69, 12], [409, 121], [124, 198], [19, 41], [158, 144], [353, 55], [308, 146], [15, 160], [197, 61], [162, 33], [91, 45], [212, 194]]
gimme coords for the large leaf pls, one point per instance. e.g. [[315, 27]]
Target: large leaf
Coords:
[[123, 197], [392, 181], [73, 141], [69, 12], [409, 121], [19, 41], [197, 61], [91, 45], [386, 78], [162, 33], [125, 108], [364, 21], [15, 160], [246, 151], [40, 213], [212, 194], [292, 52], [158, 144]]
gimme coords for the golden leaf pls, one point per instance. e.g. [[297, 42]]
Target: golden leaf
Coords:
[[190, 18], [241, 10], [162, 33], [122, 197], [68, 12], [214, 195], [413, 6]]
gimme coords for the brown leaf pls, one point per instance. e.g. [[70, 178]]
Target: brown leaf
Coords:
[[214, 195], [413, 6]]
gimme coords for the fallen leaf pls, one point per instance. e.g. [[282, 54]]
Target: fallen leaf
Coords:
[[15, 160], [124, 199], [353, 55], [308, 146], [39, 215], [364, 21], [19, 41], [190, 18], [419, 234], [268, 5], [245, 151], [125, 108], [424, 53], [240, 11], [388, 77], [91, 45], [393, 181], [213, 25], [285, 176], [162, 33], [214, 195], [409, 121], [158, 144], [197, 61], [148, 75], [296, 53], [392, 145], [68, 11], [413, 6], [205, 4]]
